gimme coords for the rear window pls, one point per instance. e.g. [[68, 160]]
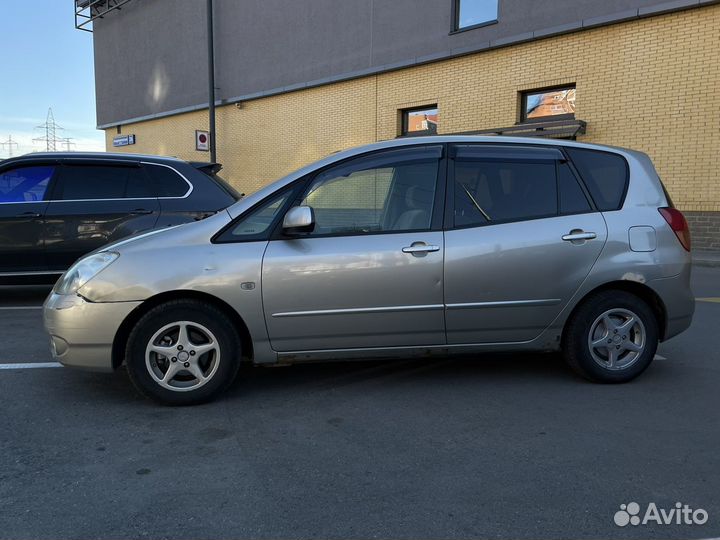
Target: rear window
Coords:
[[605, 174]]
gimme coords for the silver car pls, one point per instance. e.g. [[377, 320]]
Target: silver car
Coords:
[[412, 247]]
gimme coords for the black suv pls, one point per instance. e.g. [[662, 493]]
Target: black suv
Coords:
[[56, 207]]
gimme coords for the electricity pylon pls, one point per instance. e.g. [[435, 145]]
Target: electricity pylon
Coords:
[[9, 145], [50, 139], [67, 142]]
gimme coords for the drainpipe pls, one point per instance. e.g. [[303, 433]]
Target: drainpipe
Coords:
[[211, 80]]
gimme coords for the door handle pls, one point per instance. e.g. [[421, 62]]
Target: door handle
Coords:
[[579, 234], [420, 248], [140, 212], [29, 214]]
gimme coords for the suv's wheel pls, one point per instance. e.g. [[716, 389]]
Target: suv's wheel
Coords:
[[183, 352], [611, 338]]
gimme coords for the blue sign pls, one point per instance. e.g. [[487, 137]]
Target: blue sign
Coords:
[[123, 140]]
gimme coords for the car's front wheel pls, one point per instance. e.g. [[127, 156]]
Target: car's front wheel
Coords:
[[611, 338], [183, 352]]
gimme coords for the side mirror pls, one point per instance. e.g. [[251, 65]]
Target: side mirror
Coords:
[[299, 219]]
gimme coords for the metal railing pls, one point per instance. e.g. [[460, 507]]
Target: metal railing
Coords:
[[87, 11]]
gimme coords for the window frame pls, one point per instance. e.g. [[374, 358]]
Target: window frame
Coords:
[[24, 165], [549, 118], [300, 185], [405, 121], [116, 163], [455, 19], [449, 221]]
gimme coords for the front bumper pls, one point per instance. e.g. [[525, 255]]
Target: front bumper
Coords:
[[82, 332]]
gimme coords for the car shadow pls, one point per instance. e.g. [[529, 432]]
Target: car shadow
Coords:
[[482, 372]]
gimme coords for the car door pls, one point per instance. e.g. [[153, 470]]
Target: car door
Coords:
[[23, 201], [371, 272], [522, 236], [95, 202]]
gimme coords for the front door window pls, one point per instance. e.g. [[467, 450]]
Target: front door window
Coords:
[[390, 192]]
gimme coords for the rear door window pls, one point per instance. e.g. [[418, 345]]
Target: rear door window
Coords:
[[572, 196], [25, 184], [605, 174], [501, 184], [101, 182]]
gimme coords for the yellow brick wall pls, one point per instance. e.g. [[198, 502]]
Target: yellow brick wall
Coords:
[[651, 84]]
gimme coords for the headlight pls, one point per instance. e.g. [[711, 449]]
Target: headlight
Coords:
[[83, 271]]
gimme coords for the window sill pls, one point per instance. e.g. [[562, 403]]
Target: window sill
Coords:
[[473, 27]]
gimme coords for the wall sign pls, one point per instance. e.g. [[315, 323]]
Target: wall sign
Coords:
[[202, 140], [123, 140]]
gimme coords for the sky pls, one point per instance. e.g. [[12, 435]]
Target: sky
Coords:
[[45, 62]]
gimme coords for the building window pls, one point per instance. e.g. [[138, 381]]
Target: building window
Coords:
[[550, 104], [473, 13], [420, 121]]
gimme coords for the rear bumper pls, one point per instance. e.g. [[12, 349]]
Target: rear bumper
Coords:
[[679, 301], [82, 332]]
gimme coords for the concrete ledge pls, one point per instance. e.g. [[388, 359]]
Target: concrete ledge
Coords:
[[668, 6], [611, 18]]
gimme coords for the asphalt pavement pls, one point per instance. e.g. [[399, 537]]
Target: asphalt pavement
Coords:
[[501, 446]]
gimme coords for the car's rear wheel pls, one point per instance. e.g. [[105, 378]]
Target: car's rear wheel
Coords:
[[183, 352], [611, 338]]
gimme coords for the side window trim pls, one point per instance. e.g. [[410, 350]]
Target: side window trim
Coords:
[[54, 181], [51, 182], [437, 218]]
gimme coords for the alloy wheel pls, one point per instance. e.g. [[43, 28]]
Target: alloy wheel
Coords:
[[617, 339], [182, 356]]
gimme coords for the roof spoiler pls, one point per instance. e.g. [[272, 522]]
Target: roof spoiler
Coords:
[[207, 167]]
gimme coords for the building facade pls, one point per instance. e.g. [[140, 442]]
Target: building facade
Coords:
[[299, 80]]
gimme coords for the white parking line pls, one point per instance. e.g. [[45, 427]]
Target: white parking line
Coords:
[[31, 365], [11, 308], [658, 357]]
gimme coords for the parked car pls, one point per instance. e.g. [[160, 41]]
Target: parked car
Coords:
[[409, 247], [56, 207]]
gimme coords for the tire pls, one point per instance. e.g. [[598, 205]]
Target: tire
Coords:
[[202, 353], [601, 342]]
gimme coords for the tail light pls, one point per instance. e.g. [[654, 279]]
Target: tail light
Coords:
[[678, 224]]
